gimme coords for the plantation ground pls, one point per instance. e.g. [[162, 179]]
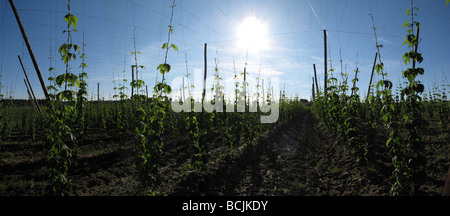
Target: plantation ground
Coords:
[[298, 158]]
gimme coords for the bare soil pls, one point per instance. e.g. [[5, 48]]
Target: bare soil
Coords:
[[298, 158]]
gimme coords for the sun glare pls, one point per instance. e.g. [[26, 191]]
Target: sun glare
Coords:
[[252, 34]]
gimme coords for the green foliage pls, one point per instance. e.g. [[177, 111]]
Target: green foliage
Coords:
[[65, 51], [58, 137], [68, 115], [408, 152], [339, 113], [443, 112], [194, 140], [401, 117], [149, 124], [71, 20], [64, 118], [81, 125], [5, 118]]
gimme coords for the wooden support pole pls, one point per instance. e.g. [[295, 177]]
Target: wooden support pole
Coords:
[[371, 76], [315, 77], [29, 85], [205, 73], [354, 83], [132, 81], [313, 94], [30, 97], [325, 60], [98, 91], [33, 58], [417, 46], [245, 87]]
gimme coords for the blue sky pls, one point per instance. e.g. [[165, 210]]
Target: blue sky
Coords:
[[294, 39]]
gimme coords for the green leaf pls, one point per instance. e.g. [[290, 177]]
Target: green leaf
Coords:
[[83, 65], [387, 84], [405, 117], [411, 77], [52, 88], [71, 20], [76, 47], [165, 46], [406, 23], [388, 141], [386, 117], [163, 68], [406, 41], [447, 2], [68, 95], [75, 21], [167, 89], [174, 47], [62, 50], [379, 83], [73, 79], [66, 18], [60, 79]]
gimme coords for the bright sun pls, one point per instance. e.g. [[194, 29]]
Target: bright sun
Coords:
[[252, 34]]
